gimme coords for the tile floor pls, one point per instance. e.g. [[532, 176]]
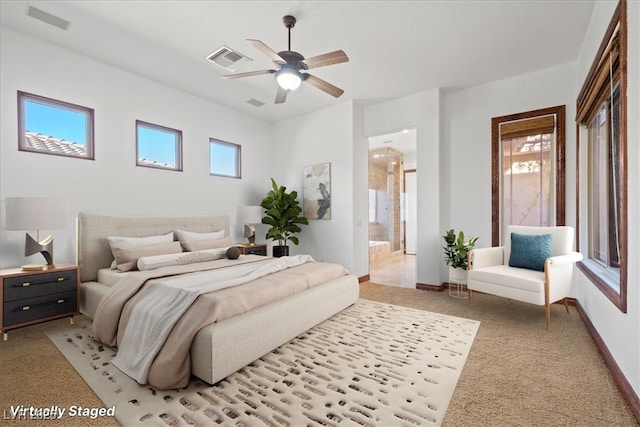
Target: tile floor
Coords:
[[396, 271]]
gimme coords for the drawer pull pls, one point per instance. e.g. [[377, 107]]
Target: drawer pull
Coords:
[[60, 301], [25, 308], [60, 279], [26, 284]]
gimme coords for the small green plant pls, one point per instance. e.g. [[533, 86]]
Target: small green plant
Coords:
[[282, 213], [457, 249]]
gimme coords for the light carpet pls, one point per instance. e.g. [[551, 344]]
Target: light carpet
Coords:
[[371, 364]]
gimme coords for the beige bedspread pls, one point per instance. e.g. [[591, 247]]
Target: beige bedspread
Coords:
[[171, 367]]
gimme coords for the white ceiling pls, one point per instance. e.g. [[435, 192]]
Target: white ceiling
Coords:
[[395, 47]]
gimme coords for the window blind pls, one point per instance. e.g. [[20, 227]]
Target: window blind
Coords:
[[527, 127], [604, 72]]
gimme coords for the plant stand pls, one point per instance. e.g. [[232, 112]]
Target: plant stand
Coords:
[[458, 283], [458, 289]]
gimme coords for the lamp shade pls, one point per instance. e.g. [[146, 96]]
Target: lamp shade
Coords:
[[35, 213], [249, 214]]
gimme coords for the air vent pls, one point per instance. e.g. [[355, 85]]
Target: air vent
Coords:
[[388, 141], [255, 102], [47, 18], [228, 58]]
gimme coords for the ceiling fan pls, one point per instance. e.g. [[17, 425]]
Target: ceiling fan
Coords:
[[290, 67]]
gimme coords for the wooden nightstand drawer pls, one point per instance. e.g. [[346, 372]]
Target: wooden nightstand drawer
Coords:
[[36, 285], [255, 249], [24, 310]]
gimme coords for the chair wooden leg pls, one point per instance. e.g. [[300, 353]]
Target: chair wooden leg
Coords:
[[547, 311], [547, 303], [566, 305]]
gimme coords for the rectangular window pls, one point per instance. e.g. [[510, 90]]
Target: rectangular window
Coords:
[[602, 116], [528, 170], [158, 146], [224, 159], [528, 181], [604, 185], [50, 126]]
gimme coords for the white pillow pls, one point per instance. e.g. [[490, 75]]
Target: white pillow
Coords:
[[190, 236], [202, 245], [120, 242], [126, 242], [127, 258], [157, 261]]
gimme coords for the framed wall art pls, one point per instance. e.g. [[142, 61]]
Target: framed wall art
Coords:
[[317, 191]]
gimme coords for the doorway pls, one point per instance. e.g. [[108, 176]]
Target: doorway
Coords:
[[392, 208]]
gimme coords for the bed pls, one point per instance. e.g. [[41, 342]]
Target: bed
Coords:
[[216, 351]]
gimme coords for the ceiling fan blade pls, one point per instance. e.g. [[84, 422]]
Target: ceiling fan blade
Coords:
[[330, 58], [248, 74], [267, 51], [281, 95], [323, 85]]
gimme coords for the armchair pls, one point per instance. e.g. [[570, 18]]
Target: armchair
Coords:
[[535, 266]]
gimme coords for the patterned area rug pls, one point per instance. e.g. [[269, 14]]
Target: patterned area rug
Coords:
[[372, 364]]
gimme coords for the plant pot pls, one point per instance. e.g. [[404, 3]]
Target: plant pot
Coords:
[[458, 275], [279, 251], [458, 282]]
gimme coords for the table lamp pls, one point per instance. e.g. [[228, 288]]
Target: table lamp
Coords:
[[249, 215], [34, 213]]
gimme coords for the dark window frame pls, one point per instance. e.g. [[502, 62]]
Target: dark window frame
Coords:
[[178, 148], [89, 146], [593, 94], [560, 168], [238, 158]]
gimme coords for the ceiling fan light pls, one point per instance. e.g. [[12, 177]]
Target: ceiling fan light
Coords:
[[288, 79]]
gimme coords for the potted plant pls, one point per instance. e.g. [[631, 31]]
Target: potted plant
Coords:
[[456, 252], [282, 213]]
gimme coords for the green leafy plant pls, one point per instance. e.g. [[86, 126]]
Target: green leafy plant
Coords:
[[457, 249], [282, 213]]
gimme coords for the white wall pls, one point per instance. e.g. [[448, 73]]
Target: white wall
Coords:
[[466, 170], [360, 245], [467, 142], [323, 136], [112, 183], [467, 136], [422, 112], [620, 331]]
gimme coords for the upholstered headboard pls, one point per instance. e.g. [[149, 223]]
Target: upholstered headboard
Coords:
[[94, 253]]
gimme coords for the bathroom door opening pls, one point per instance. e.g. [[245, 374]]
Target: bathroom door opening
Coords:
[[392, 204]]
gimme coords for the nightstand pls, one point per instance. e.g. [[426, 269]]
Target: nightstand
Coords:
[[255, 249], [30, 297]]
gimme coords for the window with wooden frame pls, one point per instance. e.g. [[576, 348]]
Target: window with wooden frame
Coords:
[[528, 174], [158, 146], [49, 126], [601, 121]]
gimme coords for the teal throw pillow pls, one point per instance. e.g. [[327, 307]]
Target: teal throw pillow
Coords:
[[530, 251]]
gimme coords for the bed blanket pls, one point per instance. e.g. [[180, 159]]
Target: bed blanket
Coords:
[[170, 368], [154, 316]]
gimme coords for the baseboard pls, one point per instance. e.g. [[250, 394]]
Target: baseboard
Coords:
[[434, 288], [364, 278], [618, 376]]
